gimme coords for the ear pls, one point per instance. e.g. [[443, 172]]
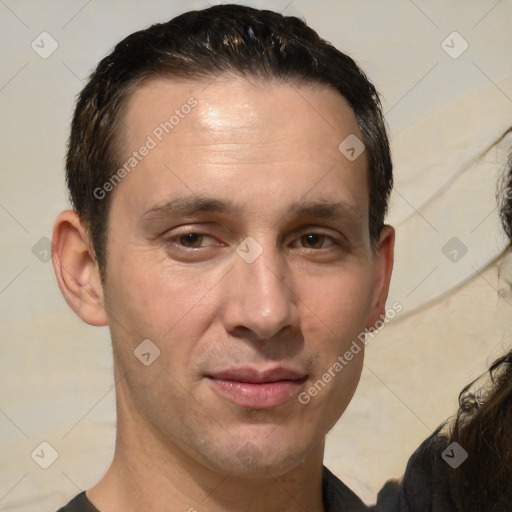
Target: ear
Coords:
[[383, 267], [76, 269]]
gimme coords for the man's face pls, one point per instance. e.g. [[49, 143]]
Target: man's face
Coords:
[[243, 326]]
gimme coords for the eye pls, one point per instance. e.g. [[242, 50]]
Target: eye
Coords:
[[187, 245], [316, 241], [193, 240]]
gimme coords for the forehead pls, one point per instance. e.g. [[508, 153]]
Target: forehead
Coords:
[[251, 139], [241, 105]]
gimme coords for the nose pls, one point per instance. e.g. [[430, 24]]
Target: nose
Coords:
[[259, 299]]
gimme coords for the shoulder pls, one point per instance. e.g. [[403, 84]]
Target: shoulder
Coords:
[[79, 503]]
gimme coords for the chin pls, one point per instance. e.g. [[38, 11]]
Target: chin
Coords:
[[259, 460]]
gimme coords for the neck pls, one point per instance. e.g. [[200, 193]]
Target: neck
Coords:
[[148, 473]]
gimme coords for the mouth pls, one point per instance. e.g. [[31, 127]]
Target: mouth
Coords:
[[254, 389]]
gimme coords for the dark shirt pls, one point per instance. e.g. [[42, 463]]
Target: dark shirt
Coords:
[[424, 486], [337, 498], [79, 503]]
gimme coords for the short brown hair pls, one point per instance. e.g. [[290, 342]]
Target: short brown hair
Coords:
[[203, 44]]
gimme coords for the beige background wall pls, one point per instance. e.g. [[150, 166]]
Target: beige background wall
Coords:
[[443, 109]]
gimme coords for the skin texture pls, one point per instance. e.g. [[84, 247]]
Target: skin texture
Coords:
[[262, 147]]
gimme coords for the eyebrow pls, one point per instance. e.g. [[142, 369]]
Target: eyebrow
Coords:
[[326, 210], [190, 205]]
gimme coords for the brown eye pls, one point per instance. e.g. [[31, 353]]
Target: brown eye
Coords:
[[191, 240], [313, 240]]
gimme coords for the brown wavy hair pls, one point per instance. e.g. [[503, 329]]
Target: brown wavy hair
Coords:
[[483, 425]]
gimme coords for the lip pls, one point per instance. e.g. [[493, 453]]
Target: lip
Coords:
[[255, 389]]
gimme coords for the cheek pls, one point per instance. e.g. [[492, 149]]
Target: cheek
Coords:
[[155, 298], [331, 387], [169, 305], [340, 305], [336, 316]]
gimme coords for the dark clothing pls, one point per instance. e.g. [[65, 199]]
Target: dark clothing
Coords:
[[337, 498], [79, 503], [424, 486]]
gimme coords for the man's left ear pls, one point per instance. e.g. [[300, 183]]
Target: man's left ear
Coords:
[[76, 269], [383, 267]]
